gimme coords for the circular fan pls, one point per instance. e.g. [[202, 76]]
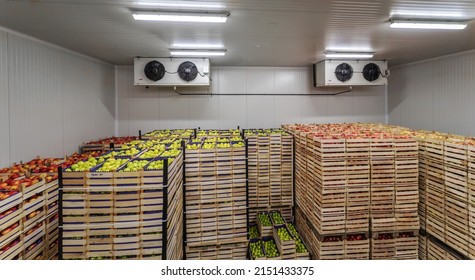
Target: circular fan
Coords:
[[154, 70], [371, 72], [344, 72], [187, 71]]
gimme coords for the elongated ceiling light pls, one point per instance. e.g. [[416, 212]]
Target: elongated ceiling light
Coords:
[[197, 52], [182, 16], [348, 55], [426, 24]]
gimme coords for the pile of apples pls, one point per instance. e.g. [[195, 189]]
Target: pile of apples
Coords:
[[151, 154], [193, 146], [136, 165], [355, 237], [9, 229], [8, 212], [158, 164], [332, 239], [385, 236], [253, 232], [115, 140], [299, 246], [11, 245], [171, 153], [271, 248], [81, 166], [256, 249], [13, 183], [406, 234], [264, 219], [112, 164], [284, 234], [277, 218]]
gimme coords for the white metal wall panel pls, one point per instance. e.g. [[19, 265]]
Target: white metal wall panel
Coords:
[[4, 108], [56, 99], [436, 94], [35, 92], [246, 111]]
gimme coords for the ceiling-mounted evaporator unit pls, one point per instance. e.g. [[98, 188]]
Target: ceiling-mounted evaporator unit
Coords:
[[151, 71], [350, 73]]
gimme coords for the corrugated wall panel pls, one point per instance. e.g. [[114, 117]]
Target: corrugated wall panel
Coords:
[[55, 99], [437, 94], [162, 108], [35, 92], [4, 116]]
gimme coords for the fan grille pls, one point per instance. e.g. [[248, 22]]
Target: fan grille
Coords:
[[344, 72], [371, 72], [154, 70], [187, 71]]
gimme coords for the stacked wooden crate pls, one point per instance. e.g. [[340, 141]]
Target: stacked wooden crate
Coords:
[[270, 167], [123, 215], [216, 199], [445, 188], [25, 214], [438, 251], [351, 176], [163, 134], [276, 238]]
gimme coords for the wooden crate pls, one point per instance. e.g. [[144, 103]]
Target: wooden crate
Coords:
[[407, 245], [382, 225], [230, 251], [358, 172], [357, 246], [456, 182], [286, 247], [422, 247], [407, 220], [357, 148], [456, 154], [407, 195], [11, 222], [383, 246], [15, 247]]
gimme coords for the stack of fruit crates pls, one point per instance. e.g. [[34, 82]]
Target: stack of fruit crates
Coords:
[[348, 175], [164, 134], [216, 198], [438, 251], [218, 133], [272, 238], [123, 214], [270, 163]]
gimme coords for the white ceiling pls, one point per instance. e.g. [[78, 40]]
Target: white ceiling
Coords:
[[257, 33]]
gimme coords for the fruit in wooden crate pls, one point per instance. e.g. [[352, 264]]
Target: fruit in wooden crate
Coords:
[[112, 164], [253, 232], [135, 165], [151, 154], [130, 152], [8, 212], [5, 195], [385, 236], [171, 153], [175, 145], [284, 234], [192, 146], [264, 219], [8, 246], [277, 218], [355, 237], [406, 234], [157, 165], [81, 166], [51, 178], [223, 145], [256, 249], [236, 138], [292, 230], [208, 146], [10, 228], [332, 238], [271, 248], [238, 145]]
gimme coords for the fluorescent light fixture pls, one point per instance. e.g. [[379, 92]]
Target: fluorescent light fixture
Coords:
[[348, 55], [197, 52], [183, 5], [182, 16], [427, 14], [425, 24], [198, 46]]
